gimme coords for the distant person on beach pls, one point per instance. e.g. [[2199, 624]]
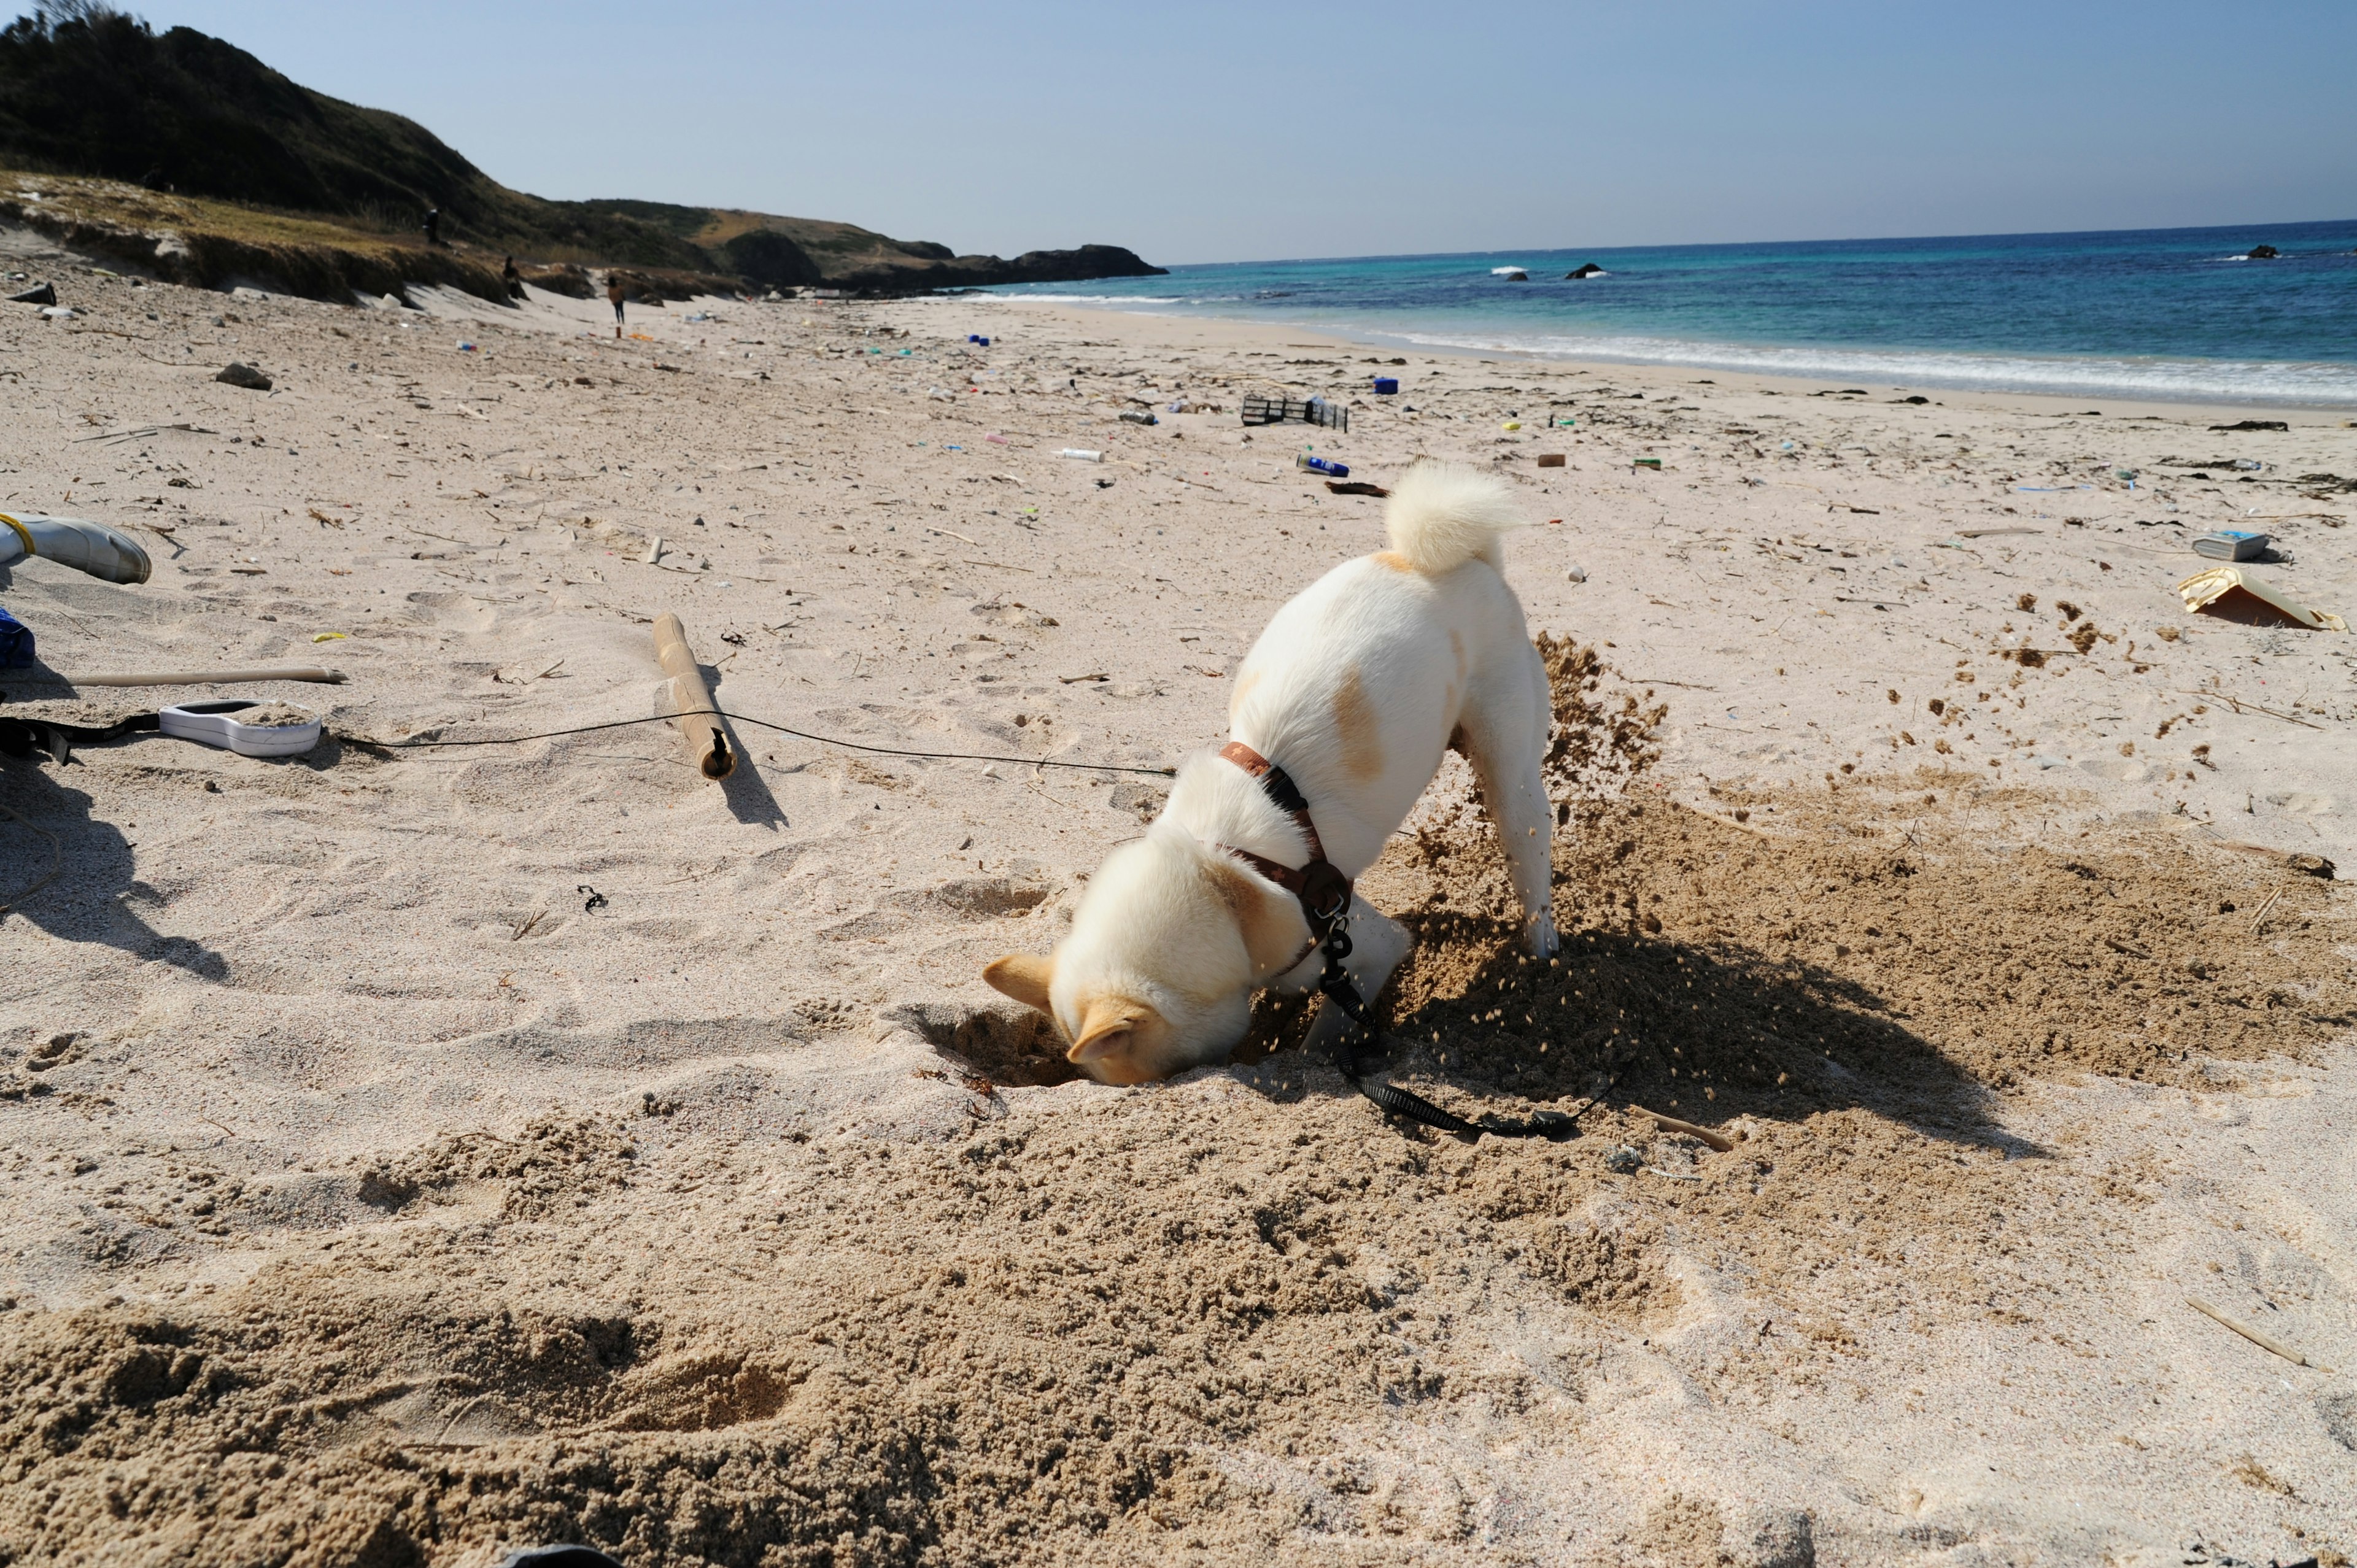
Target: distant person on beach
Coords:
[[514, 279], [614, 292], [433, 225]]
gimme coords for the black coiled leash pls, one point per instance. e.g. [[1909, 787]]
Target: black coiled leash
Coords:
[[1325, 897]]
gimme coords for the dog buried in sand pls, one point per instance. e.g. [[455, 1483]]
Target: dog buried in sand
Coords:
[[1355, 690]]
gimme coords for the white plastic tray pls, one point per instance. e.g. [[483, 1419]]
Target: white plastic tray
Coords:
[[210, 723]]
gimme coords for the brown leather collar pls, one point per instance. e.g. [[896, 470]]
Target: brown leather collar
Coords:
[[1324, 892]]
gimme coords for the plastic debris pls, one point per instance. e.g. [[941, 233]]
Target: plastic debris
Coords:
[[2231, 545], [467, 348], [1551, 459], [1652, 463], [1138, 416], [39, 294], [2221, 586], [977, 339], [1322, 466], [1281, 411], [92, 547], [209, 723], [1081, 455], [16, 643]]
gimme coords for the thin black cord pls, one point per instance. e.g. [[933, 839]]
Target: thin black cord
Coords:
[[782, 729]]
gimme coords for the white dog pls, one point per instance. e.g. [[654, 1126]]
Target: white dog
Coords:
[[1355, 690]]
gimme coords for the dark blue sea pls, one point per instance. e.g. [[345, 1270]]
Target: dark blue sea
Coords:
[[2172, 315]]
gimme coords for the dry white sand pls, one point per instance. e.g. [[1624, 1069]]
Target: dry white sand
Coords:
[[377, 1192]]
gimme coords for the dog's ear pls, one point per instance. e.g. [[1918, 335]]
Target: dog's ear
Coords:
[[1106, 1028], [1024, 976]]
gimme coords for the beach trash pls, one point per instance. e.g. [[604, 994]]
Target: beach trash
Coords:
[[466, 347], [1577, 575], [2234, 591], [270, 729], [1551, 459], [977, 338], [16, 643], [104, 552], [1138, 416], [2231, 545], [1652, 463], [1387, 386], [1512, 425], [1081, 455], [1322, 466], [39, 294], [1281, 411], [238, 374]]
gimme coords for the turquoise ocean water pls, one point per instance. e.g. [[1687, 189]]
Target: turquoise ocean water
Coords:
[[2171, 315]]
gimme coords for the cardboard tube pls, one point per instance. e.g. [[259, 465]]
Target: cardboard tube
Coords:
[[707, 741], [211, 677]]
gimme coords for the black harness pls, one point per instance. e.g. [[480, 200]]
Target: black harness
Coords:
[[1325, 897]]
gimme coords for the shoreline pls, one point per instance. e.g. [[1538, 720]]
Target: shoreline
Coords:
[[2338, 414]]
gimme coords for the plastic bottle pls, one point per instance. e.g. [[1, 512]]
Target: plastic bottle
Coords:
[[1080, 456], [1322, 466]]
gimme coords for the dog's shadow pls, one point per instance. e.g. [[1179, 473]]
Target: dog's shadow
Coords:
[[1705, 1034]]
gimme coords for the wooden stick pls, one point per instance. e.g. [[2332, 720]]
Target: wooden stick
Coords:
[[1718, 1141], [2254, 1335], [211, 677], [707, 741]]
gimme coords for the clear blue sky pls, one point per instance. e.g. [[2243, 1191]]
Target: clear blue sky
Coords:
[[1223, 132]]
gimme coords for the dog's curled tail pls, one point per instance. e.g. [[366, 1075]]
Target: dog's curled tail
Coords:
[[1442, 515]]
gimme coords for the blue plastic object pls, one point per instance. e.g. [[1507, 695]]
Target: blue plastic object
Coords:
[[1387, 386], [16, 642], [1323, 465]]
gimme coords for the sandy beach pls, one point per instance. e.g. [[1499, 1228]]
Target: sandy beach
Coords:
[[412, 1153]]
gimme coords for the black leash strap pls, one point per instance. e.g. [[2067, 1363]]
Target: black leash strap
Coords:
[[1336, 983], [1325, 896]]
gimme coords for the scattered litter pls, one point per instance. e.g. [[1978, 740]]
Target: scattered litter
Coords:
[[597, 899], [1080, 454], [39, 294], [1652, 463], [2219, 585], [327, 637], [1577, 573], [1355, 487], [996, 440], [16, 642], [276, 729], [1322, 466], [1387, 386], [1512, 425], [1138, 416], [2231, 545], [238, 374], [104, 552], [58, 313], [467, 348], [971, 337], [1281, 411], [1551, 459]]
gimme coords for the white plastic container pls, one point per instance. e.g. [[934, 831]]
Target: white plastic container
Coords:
[[1080, 456], [210, 723]]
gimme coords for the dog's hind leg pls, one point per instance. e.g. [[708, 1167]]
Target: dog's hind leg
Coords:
[[1503, 733], [1378, 942]]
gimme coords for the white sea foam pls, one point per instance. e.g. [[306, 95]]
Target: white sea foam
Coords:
[[2159, 380]]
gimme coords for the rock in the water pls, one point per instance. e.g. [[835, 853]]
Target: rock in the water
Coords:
[[244, 375], [2261, 254], [1585, 270], [39, 294]]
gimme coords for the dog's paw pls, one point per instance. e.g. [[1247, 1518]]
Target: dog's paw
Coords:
[[1539, 939]]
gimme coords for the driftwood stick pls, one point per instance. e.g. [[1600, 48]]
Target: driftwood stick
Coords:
[[1718, 1141], [211, 677], [2253, 1335], [707, 741]]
